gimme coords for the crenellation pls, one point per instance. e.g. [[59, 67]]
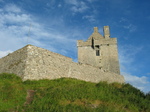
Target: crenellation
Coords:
[[106, 32], [112, 41], [82, 43]]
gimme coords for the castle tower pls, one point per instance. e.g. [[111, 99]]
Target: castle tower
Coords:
[[99, 51]]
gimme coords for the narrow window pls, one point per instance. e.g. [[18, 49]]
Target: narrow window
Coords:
[[92, 43], [97, 53]]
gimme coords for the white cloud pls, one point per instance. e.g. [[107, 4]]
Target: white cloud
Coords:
[[138, 82], [14, 32], [17, 18], [135, 80], [12, 8], [130, 27], [77, 6], [90, 0], [127, 24], [90, 18], [13, 27], [148, 73], [59, 5], [127, 55], [80, 8], [4, 53], [73, 2], [123, 20]]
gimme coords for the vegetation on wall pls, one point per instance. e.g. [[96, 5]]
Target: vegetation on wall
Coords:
[[69, 95]]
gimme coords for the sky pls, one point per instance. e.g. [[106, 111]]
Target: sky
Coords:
[[56, 25]]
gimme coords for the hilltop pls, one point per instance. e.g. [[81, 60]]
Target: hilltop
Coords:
[[69, 95]]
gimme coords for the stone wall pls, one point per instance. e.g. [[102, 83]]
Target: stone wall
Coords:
[[99, 51], [44, 64], [14, 62], [35, 63]]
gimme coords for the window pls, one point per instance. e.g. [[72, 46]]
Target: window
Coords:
[[92, 43], [97, 46], [97, 53]]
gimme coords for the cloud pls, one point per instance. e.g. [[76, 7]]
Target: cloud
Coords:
[[138, 82], [77, 6], [13, 27], [127, 57], [123, 20], [73, 2], [18, 28], [4, 53], [130, 27], [127, 25], [80, 8], [90, 1], [59, 5], [12, 18], [12, 8], [148, 73], [90, 18], [135, 80]]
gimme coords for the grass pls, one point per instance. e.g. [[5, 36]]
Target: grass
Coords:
[[69, 95]]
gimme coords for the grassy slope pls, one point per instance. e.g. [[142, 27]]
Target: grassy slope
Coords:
[[70, 95]]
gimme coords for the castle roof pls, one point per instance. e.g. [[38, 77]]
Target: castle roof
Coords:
[[95, 35]]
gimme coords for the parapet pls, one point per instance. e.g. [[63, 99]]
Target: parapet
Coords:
[[82, 43], [103, 41]]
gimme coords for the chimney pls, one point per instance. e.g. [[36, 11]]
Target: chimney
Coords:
[[95, 29], [106, 32]]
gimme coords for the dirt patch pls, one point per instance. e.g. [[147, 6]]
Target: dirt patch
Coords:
[[29, 97]]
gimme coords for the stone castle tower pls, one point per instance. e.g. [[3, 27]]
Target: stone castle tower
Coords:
[[99, 51]]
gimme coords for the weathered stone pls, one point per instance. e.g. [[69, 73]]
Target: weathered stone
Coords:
[[34, 63], [100, 51]]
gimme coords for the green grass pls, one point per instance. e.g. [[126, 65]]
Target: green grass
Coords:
[[70, 95]]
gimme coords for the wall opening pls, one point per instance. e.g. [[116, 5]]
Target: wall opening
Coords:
[[97, 53], [92, 43], [97, 46]]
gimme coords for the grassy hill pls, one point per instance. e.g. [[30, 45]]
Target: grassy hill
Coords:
[[69, 95]]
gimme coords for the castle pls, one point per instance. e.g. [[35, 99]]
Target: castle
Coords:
[[100, 51], [97, 61]]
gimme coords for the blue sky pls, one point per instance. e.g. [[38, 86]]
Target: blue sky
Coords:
[[56, 25]]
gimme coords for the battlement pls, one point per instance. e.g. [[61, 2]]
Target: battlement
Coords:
[[110, 41]]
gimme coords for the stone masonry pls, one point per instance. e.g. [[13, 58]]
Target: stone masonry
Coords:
[[100, 51], [34, 63]]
